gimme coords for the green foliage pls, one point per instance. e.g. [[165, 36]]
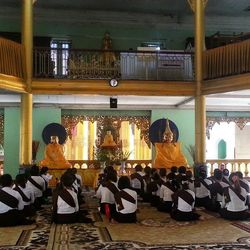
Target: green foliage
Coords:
[[111, 155], [191, 150], [123, 155]]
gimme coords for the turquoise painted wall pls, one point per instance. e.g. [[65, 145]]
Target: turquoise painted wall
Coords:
[[11, 140], [41, 118], [89, 36], [185, 121]]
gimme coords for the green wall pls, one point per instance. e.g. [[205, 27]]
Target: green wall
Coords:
[[11, 140], [41, 118], [185, 121]]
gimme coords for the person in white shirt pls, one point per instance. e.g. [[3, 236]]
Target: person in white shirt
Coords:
[[137, 181], [106, 192], [38, 185], [166, 191], [246, 185], [234, 203], [47, 177], [216, 190], [183, 204], [65, 203], [27, 195], [202, 190], [126, 202], [11, 204]]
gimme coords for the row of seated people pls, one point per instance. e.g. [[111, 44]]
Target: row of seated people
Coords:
[[20, 199], [177, 193]]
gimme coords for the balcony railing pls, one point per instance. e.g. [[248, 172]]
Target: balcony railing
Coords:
[[232, 59], [11, 58], [232, 165], [100, 64]]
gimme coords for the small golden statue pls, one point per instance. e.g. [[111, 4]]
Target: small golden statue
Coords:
[[108, 140], [108, 58]]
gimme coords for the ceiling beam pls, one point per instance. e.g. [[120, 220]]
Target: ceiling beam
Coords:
[[102, 87], [226, 84], [12, 83]]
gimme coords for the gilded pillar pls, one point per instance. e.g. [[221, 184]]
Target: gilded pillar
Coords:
[[198, 6], [26, 99]]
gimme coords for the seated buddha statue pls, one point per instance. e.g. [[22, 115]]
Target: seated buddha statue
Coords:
[[108, 140], [168, 153], [54, 156]]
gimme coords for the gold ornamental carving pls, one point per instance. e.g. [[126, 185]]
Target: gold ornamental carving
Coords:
[[239, 121], [192, 4], [141, 122]]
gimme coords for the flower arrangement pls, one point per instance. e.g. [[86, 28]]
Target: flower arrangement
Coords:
[[116, 155], [123, 155], [103, 155]]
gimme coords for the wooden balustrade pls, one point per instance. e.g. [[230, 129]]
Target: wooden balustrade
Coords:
[[232, 59], [12, 58]]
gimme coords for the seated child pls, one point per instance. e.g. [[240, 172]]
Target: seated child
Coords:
[[65, 203], [126, 202], [27, 195], [11, 204]]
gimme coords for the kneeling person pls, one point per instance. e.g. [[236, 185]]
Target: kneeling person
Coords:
[[11, 205], [126, 202], [65, 203]]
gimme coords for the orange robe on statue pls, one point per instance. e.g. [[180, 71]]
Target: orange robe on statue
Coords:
[[54, 157], [169, 155]]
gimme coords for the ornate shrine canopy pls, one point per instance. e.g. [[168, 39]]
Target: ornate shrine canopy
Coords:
[[141, 122]]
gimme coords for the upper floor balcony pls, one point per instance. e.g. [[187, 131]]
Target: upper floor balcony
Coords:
[[107, 64], [67, 65]]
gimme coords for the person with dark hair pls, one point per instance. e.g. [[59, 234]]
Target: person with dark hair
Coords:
[[38, 185], [234, 205], [154, 189], [147, 179], [173, 176], [190, 179], [244, 184], [202, 190], [106, 192], [181, 173], [65, 202], [11, 205], [137, 181], [47, 177], [183, 203], [76, 184], [166, 191], [27, 195], [216, 190], [126, 202]]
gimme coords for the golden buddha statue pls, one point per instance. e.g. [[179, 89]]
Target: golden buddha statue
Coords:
[[108, 58], [108, 140], [168, 153], [54, 156]]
